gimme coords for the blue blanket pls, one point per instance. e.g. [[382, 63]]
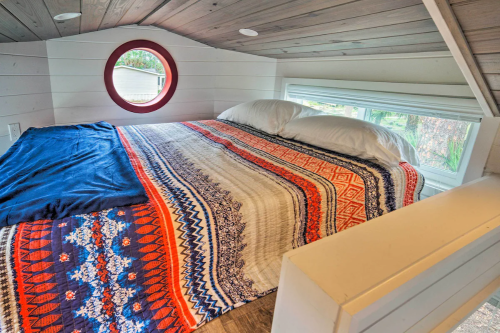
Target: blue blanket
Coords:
[[56, 172]]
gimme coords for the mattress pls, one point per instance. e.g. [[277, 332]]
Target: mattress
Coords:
[[226, 202]]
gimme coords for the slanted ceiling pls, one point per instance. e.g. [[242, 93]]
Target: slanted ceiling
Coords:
[[480, 23], [287, 28]]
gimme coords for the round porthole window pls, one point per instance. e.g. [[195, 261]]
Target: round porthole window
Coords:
[[141, 76]]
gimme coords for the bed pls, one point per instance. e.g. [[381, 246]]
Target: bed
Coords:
[[226, 201]]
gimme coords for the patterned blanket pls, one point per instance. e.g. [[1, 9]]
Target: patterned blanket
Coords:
[[226, 202]]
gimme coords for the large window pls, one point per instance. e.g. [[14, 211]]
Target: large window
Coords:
[[440, 142]]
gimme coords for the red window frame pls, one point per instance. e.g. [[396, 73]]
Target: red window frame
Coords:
[[171, 75]]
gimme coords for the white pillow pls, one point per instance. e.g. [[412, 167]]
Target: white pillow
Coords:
[[352, 137], [268, 115]]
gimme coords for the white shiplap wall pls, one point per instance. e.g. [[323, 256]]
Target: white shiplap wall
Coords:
[[79, 94], [428, 67], [25, 93], [210, 80], [242, 78]]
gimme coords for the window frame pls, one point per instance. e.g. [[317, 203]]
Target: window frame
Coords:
[[435, 174], [171, 75], [479, 139]]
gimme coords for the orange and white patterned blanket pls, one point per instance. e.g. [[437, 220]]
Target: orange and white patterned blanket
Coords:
[[225, 203]]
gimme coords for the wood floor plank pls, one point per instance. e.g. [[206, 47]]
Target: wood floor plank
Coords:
[[215, 326]]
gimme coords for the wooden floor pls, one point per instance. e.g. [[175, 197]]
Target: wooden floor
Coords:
[[254, 317]]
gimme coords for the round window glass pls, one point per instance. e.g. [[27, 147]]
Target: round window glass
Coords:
[[141, 76], [138, 76]]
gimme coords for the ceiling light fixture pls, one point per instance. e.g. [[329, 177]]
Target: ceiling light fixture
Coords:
[[249, 32], [66, 16]]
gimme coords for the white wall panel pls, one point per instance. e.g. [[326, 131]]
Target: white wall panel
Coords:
[[245, 82], [102, 98], [251, 68], [5, 143], [206, 75], [11, 85], [242, 78], [77, 67], [39, 118], [23, 65], [242, 95], [435, 67], [221, 106], [36, 49], [159, 120], [83, 114], [95, 67], [19, 104], [25, 92], [493, 163]]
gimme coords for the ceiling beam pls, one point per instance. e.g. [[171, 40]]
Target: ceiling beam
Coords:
[[443, 16]]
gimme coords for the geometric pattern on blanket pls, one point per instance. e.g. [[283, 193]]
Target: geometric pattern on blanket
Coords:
[[226, 201]]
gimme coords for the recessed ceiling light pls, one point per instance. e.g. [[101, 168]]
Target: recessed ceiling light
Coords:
[[66, 16], [249, 32]]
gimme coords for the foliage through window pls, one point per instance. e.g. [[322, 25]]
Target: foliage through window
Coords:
[[439, 142], [138, 76], [333, 109]]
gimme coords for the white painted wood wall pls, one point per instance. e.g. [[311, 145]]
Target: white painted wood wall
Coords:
[[63, 80], [25, 93], [429, 67], [209, 79]]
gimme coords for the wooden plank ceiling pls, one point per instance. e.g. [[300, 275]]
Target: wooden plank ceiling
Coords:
[[480, 23], [287, 28]]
